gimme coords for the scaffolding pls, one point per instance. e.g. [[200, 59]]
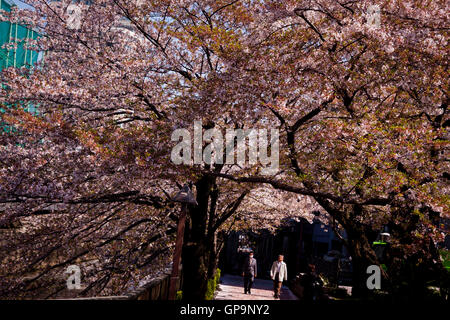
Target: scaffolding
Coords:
[[15, 52], [13, 39]]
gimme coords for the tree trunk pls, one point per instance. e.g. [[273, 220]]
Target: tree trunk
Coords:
[[360, 261], [195, 272], [362, 255], [357, 244], [197, 246], [213, 256]]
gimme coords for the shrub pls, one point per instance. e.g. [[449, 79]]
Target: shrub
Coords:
[[212, 285]]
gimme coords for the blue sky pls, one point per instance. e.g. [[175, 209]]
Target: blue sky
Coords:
[[20, 4]]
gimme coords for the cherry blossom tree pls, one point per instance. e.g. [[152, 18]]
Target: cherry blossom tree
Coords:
[[364, 110]]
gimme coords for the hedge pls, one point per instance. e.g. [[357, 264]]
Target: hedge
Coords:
[[212, 285]]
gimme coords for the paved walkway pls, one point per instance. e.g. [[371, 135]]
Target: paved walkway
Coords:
[[232, 288]]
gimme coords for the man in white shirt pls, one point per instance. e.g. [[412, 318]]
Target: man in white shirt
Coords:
[[278, 273]]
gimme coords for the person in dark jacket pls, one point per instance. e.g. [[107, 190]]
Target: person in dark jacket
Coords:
[[249, 272]]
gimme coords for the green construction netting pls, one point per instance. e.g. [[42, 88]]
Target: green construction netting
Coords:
[[14, 33]]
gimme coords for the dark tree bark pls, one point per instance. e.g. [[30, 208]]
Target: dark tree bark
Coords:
[[201, 248], [357, 244], [362, 256], [199, 245]]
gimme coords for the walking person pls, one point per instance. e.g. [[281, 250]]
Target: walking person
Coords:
[[249, 272], [278, 273]]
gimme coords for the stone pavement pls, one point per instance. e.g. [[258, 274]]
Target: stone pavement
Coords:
[[232, 288]]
